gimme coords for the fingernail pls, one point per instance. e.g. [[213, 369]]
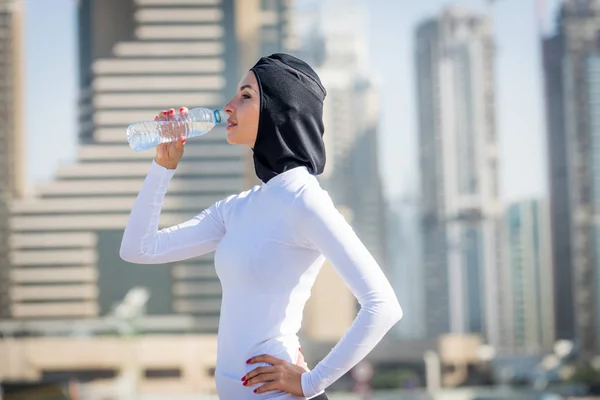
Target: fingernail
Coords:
[[182, 109], [248, 362], [183, 140], [156, 118], [243, 379], [164, 111], [299, 349], [255, 390], [171, 111], [245, 383]]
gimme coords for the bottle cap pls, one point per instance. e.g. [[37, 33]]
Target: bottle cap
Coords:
[[219, 115]]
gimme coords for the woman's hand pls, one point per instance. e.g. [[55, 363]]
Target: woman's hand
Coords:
[[280, 375], [169, 154]]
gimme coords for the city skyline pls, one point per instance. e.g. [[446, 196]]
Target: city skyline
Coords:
[[496, 275], [51, 91]]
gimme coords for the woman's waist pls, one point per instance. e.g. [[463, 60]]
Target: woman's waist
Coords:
[[234, 350], [259, 318]]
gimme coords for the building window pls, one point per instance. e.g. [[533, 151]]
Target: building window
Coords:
[[162, 373]]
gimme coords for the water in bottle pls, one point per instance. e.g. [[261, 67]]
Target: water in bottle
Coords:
[[197, 122]]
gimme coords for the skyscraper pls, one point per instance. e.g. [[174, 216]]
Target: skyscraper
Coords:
[[12, 177], [355, 179], [529, 285], [572, 76], [459, 177], [137, 57], [337, 48], [405, 254]]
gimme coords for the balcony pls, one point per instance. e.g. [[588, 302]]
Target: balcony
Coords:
[[185, 271], [172, 3], [197, 306], [158, 83], [190, 288], [153, 65], [57, 309], [181, 32], [54, 257], [54, 274], [168, 49], [170, 15], [158, 102], [53, 240], [54, 292]]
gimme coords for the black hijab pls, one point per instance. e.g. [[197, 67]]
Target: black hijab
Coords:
[[290, 128]]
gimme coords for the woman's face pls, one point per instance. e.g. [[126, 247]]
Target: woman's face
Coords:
[[244, 111]]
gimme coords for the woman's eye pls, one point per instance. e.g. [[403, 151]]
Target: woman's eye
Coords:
[[246, 96]]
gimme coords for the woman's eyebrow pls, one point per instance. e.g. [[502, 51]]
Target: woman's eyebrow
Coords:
[[247, 87]]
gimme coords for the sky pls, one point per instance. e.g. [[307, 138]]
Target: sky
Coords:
[[51, 89]]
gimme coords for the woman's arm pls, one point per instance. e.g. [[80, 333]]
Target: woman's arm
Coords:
[[323, 228], [143, 243]]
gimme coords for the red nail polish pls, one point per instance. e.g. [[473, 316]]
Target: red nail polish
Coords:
[[243, 379], [181, 109], [299, 349], [248, 362], [183, 140], [255, 390]]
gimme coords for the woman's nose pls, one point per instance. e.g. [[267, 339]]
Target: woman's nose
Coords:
[[228, 108]]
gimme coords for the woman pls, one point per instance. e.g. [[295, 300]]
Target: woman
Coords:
[[270, 241]]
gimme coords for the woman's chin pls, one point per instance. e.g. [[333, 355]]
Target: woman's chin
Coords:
[[231, 139]]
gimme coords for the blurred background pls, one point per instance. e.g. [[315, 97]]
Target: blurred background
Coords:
[[463, 143]]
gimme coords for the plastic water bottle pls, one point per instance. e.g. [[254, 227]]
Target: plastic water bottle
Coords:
[[197, 122]]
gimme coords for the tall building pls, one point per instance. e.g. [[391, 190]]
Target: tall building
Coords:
[[459, 174], [572, 77], [405, 254], [12, 160], [355, 178], [336, 46], [529, 284], [137, 57]]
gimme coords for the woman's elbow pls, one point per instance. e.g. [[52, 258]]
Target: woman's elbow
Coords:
[[391, 309], [395, 311], [130, 254], [386, 307], [127, 254]]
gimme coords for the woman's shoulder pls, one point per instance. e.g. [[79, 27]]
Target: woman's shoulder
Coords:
[[312, 198], [238, 197]]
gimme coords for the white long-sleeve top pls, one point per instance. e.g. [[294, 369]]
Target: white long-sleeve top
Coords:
[[270, 243]]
